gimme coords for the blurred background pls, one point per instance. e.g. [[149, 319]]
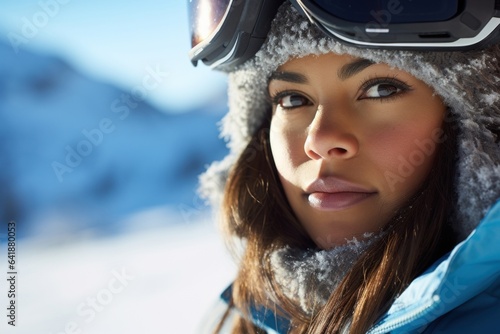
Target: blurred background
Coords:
[[105, 126]]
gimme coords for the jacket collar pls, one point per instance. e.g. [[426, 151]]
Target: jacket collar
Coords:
[[469, 269]]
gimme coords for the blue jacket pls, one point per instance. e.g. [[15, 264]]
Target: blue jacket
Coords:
[[460, 293]]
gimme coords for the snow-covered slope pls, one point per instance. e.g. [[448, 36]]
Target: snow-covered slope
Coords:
[[165, 280], [78, 154]]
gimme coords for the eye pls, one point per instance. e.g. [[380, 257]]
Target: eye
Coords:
[[383, 88], [288, 100]]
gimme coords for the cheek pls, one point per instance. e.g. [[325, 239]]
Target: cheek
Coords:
[[403, 156], [287, 147]]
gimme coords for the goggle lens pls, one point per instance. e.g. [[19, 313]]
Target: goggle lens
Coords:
[[205, 16], [391, 11]]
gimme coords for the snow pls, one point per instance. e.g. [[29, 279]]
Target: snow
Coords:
[[159, 280]]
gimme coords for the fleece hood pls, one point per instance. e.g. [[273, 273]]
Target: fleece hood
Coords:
[[468, 82]]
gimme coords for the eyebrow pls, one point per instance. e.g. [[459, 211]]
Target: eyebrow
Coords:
[[344, 73], [293, 77], [351, 69]]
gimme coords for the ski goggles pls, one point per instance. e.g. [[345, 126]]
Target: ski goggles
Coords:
[[228, 32]]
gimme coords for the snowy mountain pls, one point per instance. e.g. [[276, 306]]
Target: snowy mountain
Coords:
[[79, 154]]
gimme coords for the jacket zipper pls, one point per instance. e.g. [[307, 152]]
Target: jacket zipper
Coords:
[[406, 318]]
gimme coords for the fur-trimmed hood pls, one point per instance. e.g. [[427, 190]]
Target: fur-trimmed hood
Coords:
[[468, 82]]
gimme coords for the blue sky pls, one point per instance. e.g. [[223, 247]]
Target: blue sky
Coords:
[[116, 41]]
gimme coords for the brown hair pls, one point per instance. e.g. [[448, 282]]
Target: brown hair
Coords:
[[255, 210]]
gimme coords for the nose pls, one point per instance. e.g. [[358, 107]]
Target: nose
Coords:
[[330, 136]]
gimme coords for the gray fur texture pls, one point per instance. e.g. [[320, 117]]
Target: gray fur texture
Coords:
[[309, 277]]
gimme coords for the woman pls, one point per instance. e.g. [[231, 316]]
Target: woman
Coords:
[[362, 185]]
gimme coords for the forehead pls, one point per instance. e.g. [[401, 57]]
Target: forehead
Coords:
[[331, 58], [328, 66]]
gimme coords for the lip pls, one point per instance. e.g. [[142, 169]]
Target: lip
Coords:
[[335, 194]]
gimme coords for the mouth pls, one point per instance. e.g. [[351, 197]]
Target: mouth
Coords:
[[334, 194], [336, 201]]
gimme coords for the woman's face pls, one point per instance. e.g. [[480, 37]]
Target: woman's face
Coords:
[[352, 142]]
